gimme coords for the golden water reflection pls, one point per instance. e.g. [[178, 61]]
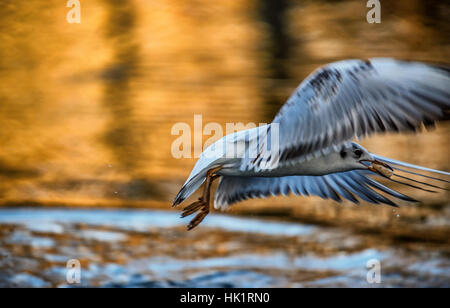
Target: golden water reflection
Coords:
[[86, 110]]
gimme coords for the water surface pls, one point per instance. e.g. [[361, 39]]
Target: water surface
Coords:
[[147, 248]]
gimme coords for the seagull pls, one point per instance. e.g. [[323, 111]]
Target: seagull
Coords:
[[308, 149]]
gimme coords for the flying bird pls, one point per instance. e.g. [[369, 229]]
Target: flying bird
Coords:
[[308, 148]]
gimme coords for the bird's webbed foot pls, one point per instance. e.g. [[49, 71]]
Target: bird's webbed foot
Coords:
[[199, 205]]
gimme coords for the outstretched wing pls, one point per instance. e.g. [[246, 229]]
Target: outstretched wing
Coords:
[[355, 98], [334, 186]]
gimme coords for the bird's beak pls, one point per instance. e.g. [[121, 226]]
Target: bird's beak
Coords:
[[378, 167]]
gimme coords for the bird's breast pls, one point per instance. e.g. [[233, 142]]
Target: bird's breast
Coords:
[[312, 167]]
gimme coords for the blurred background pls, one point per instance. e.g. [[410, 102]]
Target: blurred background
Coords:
[[86, 170]]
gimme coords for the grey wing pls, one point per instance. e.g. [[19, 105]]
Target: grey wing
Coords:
[[335, 186], [355, 98]]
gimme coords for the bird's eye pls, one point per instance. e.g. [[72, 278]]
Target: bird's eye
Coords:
[[358, 152]]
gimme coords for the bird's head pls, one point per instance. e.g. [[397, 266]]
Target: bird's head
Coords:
[[356, 157]]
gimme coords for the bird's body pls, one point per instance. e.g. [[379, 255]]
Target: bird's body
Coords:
[[325, 163], [308, 148]]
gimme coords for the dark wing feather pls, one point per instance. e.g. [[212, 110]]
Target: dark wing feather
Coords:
[[334, 186], [356, 98]]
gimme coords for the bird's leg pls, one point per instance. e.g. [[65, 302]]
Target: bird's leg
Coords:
[[202, 203]]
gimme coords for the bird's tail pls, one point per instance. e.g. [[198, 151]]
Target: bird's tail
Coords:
[[400, 166], [191, 185], [196, 178]]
